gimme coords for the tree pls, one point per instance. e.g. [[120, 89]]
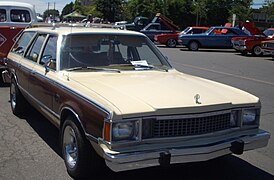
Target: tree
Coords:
[[110, 9], [50, 13], [67, 9], [268, 9], [242, 9]]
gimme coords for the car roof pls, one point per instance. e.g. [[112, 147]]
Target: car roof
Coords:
[[16, 4], [80, 29]]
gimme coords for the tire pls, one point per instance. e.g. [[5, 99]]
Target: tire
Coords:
[[244, 53], [171, 43], [17, 101], [257, 50], [193, 46], [79, 157], [1, 79]]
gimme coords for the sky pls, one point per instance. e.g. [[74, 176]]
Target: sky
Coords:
[[42, 5]]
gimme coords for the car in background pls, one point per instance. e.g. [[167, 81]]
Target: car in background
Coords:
[[117, 101], [252, 44], [268, 48], [171, 40], [214, 37], [14, 18]]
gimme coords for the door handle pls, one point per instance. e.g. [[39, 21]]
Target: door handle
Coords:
[[12, 28], [33, 72]]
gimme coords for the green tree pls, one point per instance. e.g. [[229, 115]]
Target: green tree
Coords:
[[242, 9], [67, 9], [147, 8], [268, 9], [50, 13], [110, 9]]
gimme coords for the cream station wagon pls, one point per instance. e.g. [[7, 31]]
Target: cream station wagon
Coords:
[[117, 100]]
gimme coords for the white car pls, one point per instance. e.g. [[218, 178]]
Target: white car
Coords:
[[117, 100]]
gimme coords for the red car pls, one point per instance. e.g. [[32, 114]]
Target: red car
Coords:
[[252, 44], [171, 40], [14, 18]]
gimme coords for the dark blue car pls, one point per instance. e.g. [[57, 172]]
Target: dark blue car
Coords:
[[215, 37]]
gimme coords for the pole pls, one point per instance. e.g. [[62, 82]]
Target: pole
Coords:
[[54, 12], [164, 7]]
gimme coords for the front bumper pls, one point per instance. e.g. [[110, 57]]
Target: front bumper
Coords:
[[143, 159], [239, 47], [268, 52], [6, 76]]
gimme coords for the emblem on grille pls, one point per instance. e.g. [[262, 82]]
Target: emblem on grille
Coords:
[[197, 98]]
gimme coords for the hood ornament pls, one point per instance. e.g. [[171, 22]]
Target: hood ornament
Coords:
[[197, 98]]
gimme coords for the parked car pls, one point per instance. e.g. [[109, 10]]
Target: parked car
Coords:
[[14, 17], [171, 40], [268, 48], [215, 37], [159, 25], [117, 100], [252, 44]]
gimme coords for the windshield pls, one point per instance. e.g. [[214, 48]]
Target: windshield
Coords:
[[209, 30], [269, 32], [122, 52]]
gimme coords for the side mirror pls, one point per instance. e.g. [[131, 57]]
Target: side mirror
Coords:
[[45, 61]]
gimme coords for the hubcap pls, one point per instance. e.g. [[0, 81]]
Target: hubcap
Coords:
[[257, 50], [171, 43], [193, 46], [12, 95], [70, 147]]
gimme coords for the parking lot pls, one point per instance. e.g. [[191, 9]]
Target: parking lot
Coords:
[[29, 145]]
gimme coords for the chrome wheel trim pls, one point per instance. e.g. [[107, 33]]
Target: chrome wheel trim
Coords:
[[13, 95], [70, 147], [257, 50], [171, 43]]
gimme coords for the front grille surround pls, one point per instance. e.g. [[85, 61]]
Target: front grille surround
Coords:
[[186, 125]]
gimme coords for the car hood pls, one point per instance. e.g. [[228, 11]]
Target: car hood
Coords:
[[156, 92]]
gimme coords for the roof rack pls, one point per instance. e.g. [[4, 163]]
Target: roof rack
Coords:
[[79, 25]]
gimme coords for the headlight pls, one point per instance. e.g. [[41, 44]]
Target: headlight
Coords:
[[250, 116], [125, 131]]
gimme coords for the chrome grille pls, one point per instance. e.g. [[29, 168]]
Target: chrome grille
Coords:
[[189, 126]]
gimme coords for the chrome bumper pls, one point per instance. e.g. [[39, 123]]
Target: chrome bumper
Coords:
[[6, 76], [239, 47], [144, 159]]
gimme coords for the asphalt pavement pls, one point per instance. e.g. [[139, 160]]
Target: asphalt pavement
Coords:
[[29, 145]]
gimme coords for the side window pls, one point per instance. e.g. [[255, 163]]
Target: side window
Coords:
[[22, 43], [3, 17], [153, 27], [17, 15], [35, 49], [49, 53]]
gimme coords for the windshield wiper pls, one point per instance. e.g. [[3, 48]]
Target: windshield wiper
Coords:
[[93, 68], [149, 67]]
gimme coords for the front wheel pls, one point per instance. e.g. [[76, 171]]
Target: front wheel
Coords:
[[79, 157], [257, 51], [171, 43], [193, 46], [17, 101]]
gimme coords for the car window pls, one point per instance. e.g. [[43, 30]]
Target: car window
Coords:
[[230, 32], [35, 49], [22, 43], [3, 15], [107, 50], [153, 27], [17, 15], [50, 52]]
